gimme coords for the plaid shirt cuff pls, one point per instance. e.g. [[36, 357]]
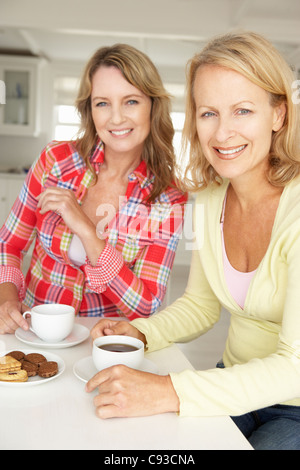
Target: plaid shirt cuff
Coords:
[[108, 266], [15, 276]]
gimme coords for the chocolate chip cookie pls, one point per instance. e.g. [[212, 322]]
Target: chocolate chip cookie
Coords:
[[48, 369], [35, 358]]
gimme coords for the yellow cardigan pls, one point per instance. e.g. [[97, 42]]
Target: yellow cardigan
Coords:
[[262, 353]]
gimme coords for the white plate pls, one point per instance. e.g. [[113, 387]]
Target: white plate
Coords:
[[36, 380], [84, 369], [79, 334]]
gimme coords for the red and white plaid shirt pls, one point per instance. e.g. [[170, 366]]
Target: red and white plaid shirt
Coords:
[[131, 275]]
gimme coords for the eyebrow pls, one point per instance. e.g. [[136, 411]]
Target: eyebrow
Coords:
[[233, 106], [133, 95]]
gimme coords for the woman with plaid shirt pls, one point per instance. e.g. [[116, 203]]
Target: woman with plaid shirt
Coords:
[[104, 211]]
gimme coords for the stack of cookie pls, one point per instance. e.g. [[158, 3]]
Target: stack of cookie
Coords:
[[10, 370], [18, 366]]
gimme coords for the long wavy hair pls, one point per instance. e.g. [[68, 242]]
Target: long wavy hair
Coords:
[[139, 71], [256, 59]]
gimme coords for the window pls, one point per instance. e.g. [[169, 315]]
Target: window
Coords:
[[178, 122], [66, 122]]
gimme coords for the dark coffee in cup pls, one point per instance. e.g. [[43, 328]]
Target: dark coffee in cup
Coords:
[[116, 347], [106, 351]]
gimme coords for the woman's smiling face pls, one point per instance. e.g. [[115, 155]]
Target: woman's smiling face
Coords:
[[121, 113], [235, 121]]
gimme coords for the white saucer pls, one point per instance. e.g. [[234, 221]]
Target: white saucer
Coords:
[[79, 334], [84, 369], [36, 380]]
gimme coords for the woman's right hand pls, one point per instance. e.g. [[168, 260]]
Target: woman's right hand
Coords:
[[106, 327], [11, 317]]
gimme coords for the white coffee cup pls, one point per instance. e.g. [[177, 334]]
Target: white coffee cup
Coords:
[[104, 358], [51, 322]]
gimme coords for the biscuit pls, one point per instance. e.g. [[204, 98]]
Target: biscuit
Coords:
[[16, 376], [48, 369], [19, 355], [35, 358], [30, 368], [8, 364]]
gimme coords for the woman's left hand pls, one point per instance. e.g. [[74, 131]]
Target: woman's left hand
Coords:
[[63, 202], [125, 392]]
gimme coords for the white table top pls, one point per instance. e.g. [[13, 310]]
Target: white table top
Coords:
[[59, 414]]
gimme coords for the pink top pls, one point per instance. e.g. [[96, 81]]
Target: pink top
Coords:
[[237, 282]]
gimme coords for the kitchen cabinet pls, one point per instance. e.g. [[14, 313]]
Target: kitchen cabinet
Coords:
[[19, 110], [10, 187]]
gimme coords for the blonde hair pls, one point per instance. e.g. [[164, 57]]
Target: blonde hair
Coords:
[[140, 72], [255, 58]]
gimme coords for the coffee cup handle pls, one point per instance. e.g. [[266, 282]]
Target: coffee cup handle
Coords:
[[28, 312]]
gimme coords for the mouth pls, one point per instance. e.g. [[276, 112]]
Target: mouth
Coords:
[[227, 153], [121, 132]]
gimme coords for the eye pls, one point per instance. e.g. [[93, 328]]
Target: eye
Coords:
[[132, 102], [243, 111], [207, 114], [101, 104]]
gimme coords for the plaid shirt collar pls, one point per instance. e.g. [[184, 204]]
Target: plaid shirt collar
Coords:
[[140, 173]]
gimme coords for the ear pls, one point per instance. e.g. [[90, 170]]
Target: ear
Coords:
[[279, 115]]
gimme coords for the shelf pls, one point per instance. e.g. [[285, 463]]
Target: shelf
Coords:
[[20, 114]]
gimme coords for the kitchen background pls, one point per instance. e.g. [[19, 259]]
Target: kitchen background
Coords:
[[44, 46]]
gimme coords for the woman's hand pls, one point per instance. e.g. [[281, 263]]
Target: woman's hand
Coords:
[[106, 327], [64, 202], [11, 317], [125, 392]]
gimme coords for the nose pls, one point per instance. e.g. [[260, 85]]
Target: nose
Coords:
[[225, 129], [117, 115]]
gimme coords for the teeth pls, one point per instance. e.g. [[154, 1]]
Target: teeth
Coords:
[[231, 151], [125, 131]]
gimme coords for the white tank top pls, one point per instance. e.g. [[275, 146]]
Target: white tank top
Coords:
[[76, 252]]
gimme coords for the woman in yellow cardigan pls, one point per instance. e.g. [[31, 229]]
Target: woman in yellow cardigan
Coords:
[[242, 124]]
